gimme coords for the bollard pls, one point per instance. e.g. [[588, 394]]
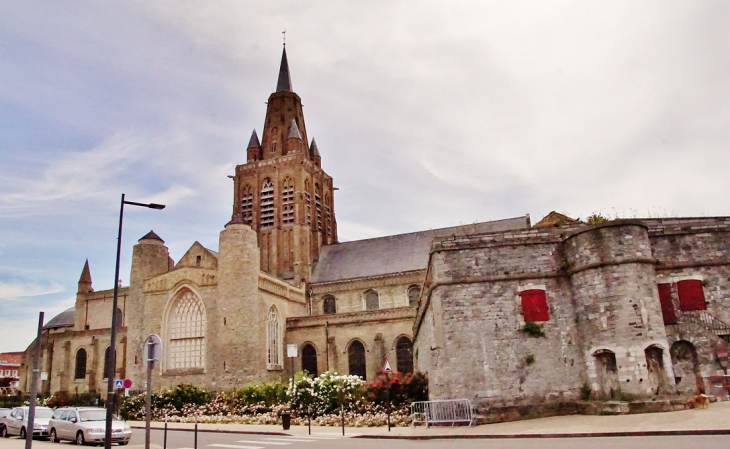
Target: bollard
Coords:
[[164, 440], [196, 433]]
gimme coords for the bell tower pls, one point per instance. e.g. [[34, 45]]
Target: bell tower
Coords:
[[282, 192]]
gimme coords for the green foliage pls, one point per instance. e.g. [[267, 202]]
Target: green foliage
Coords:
[[585, 391], [269, 393], [532, 329], [596, 218], [326, 393], [529, 359], [404, 389]]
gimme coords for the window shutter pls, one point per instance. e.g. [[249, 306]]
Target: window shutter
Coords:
[[691, 295], [665, 299], [534, 305]]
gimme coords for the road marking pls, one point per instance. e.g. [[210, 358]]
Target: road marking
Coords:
[[261, 442], [316, 437], [290, 439], [235, 446]]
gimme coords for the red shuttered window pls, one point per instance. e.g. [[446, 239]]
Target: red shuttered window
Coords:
[[534, 305], [665, 299], [691, 295]]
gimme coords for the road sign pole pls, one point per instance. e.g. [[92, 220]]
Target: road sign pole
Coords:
[[148, 406], [387, 394]]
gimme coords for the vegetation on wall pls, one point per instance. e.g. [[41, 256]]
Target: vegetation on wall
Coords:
[[532, 329]]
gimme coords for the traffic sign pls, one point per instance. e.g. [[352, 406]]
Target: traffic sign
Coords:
[[118, 384], [291, 350], [152, 349], [386, 367], [127, 383]]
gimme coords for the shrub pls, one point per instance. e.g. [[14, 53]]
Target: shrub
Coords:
[[325, 393], [532, 329], [404, 389]]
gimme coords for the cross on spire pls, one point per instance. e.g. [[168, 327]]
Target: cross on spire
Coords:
[[284, 34]]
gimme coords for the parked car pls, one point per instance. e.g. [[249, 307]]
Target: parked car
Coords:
[[86, 425], [4, 412], [17, 422]]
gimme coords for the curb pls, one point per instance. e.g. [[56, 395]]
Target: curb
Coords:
[[643, 433], [242, 432]]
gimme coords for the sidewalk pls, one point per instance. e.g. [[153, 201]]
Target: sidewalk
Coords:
[[713, 420]]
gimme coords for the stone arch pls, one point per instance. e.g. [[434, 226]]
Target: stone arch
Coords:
[[371, 300], [356, 359], [686, 366], [655, 367], [606, 372]]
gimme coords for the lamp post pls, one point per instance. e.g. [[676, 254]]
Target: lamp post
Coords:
[[112, 350]]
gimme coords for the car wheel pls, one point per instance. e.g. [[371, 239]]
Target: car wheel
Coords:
[[22, 433], [123, 443], [80, 439], [4, 432], [52, 436]]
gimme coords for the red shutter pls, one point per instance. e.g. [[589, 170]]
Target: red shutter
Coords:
[[665, 299], [534, 305], [691, 296]]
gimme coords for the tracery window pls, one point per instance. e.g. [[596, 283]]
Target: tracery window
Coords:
[[273, 338], [329, 305], [187, 327], [372, 300], [318, 205], [247, 204], [307, 202], [414, 292], [404, 355], [356, 359], [309, 360], [287, 202], [267, 204], [80, 371]]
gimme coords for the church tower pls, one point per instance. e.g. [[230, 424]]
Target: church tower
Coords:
[[282, 191]]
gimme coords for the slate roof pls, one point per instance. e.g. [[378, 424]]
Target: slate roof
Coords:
[[283, 84], [395, 253], [152, 236], [63, 319]]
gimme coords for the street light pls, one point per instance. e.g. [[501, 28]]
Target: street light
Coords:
[[112, 350]]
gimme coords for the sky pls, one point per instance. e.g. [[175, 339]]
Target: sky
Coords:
[[426, 114]]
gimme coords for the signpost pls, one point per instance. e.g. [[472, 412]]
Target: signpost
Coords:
[[152, 351], [387, 369]]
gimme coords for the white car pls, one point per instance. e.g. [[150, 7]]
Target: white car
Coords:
[[17, 422], [85, 425]]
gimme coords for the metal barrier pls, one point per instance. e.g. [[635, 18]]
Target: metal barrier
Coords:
[[443, 412], [718, 386]]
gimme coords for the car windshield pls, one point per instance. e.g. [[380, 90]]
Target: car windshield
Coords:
[[43, 413], [92, 415]]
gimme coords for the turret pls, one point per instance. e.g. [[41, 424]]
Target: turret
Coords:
[[294, 140], [253, 152], [314, 154], [85, 279], [150, 258], [81, 293]]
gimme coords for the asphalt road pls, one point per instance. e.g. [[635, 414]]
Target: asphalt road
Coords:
[[207, 440]]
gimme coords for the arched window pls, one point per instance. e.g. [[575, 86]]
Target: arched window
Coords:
[[247, 204], [308, 201], [106, 363], [329, 305], [372, 300], [414, 292], [356, 359], [318, 205], [80, 371], [309, 360], [273, 340], [119, 318], [187, 326], [328, 214], [267, 204], [287, 202], [404, 355]]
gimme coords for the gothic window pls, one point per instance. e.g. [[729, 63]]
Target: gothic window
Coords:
[[273, 340], [318, 205], [287, 202], [329, 305], [187, 326], [307, 202], [534, 305], [372, 300], [404, 355], [414, 292], [247, 204], [267, 204], [309, 360], [356, 359], [691, 295], [328, 214], [80, 371], [273, 146]]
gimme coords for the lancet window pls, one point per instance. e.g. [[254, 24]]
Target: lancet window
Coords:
[[273, 338], [318, 205], [80, 371], [328, 214], [186, 329], [267, 204], [307, 202], [247, 204], [287, 202]]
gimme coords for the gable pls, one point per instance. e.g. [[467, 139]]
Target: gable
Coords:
[[198, 256]]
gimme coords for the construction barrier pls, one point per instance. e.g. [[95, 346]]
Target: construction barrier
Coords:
[[449, 411]]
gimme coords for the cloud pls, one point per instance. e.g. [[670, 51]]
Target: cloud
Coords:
[[17, 290]]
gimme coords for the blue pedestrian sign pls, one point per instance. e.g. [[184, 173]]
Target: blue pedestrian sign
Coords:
[[118, 384]]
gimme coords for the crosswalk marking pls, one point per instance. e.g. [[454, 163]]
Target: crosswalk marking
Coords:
[[261, 442], [316, 437], [235, 446], [290, 439]]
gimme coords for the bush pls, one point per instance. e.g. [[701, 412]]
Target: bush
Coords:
[[271, 393], [532, 329], [325, 393], [404, 389]]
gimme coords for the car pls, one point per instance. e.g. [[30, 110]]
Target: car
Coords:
[[86, 425], [4, 412], [17, 422]]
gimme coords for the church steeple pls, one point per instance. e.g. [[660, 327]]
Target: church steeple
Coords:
[[284, 83], [85, 279]]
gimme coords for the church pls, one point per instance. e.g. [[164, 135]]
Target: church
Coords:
[[503, 313]]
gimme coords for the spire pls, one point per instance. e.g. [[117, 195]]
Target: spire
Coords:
[[313, 148], [294, 131], [85, 279], [151, 236], [254, 142], [284, 83]]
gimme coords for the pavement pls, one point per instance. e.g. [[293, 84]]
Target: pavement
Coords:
[[714, 420]]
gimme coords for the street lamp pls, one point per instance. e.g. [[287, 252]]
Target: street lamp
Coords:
[[112, 350]]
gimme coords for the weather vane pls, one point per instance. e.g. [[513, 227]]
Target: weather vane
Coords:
[[284, 33]]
